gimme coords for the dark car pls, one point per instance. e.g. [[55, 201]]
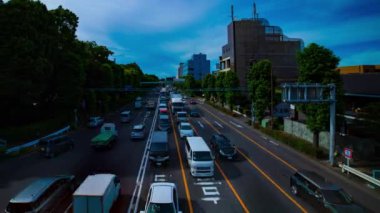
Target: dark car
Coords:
[[159, 148], [42, 195], [324, 196], [138, 131], [52, 146], [222, 147], [194, 113]]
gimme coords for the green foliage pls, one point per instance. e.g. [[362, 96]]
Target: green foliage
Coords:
[[189, 85], [47, 71], [150, 78], [205, 86], [259, 87], [231, 81], [219, 86], [295, 142], [317, 64]]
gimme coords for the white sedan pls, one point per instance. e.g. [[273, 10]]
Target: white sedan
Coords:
[[185, 129]]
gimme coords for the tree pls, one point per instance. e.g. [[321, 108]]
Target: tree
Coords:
[[259, 87], [219, 86], [317, 64], [189, 85], [231, 82]]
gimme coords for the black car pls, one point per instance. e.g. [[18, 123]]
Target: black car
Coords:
[[324, 196], [194, 113], [52, 146], [222, 147]]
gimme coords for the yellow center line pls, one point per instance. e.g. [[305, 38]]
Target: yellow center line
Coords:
[[263, 173], [188, 197], [243, 205], [272, 181], [252, 141], [232, 188]]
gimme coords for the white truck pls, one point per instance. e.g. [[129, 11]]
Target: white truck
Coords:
[[177, 104], [96, 194]]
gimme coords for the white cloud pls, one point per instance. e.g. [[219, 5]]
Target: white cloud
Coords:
[[208, 41], [137, 15]]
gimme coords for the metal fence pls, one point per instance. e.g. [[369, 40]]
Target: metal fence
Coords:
[[360, 174], [35, 142]]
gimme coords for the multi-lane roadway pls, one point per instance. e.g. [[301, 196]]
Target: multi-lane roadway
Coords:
[[257, 181]]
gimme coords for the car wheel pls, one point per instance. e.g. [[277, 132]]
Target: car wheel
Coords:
[[294, 190]]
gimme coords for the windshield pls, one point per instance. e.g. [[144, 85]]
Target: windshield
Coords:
[[160, 207], [158, 147], [337, 197], [201, 156], [177, 104], [181, 115], [138, 130], [164, 121], [185, 127]]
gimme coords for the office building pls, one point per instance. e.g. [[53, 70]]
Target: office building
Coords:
[[198, 66], [254, 39], [180, 70]]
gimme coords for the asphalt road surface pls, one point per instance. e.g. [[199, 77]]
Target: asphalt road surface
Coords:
[[257, 181]]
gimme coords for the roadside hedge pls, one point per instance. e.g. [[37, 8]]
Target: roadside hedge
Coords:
[[294, 142]]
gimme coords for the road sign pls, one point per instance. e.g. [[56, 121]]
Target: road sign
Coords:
[[348, 153]]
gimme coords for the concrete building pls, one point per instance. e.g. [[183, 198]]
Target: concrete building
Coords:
[[198, 66], [254, 39], [361, 85], [180, 70]]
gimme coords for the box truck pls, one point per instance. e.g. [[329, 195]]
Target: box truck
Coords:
[[96, 194]]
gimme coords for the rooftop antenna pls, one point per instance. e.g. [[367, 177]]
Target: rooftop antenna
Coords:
[[232, 12], [255, 14]]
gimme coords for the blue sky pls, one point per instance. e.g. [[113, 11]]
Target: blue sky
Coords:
[[158, 34]]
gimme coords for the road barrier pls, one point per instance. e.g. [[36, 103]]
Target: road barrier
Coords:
[[360, 174], [35, 142]]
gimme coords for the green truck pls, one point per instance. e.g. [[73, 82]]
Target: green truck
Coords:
[[106, 138]]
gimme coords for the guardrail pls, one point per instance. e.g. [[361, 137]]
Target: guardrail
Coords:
[[360, 174], [35, 142]]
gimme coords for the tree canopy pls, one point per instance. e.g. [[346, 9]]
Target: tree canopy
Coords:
[[259, 87], [317, 64], [46, 70]]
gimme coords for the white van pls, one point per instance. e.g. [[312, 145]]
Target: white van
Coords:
[[199, 157], [96, 194], [125, 116]]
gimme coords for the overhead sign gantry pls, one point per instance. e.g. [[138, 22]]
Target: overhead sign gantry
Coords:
[[309, 93]]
